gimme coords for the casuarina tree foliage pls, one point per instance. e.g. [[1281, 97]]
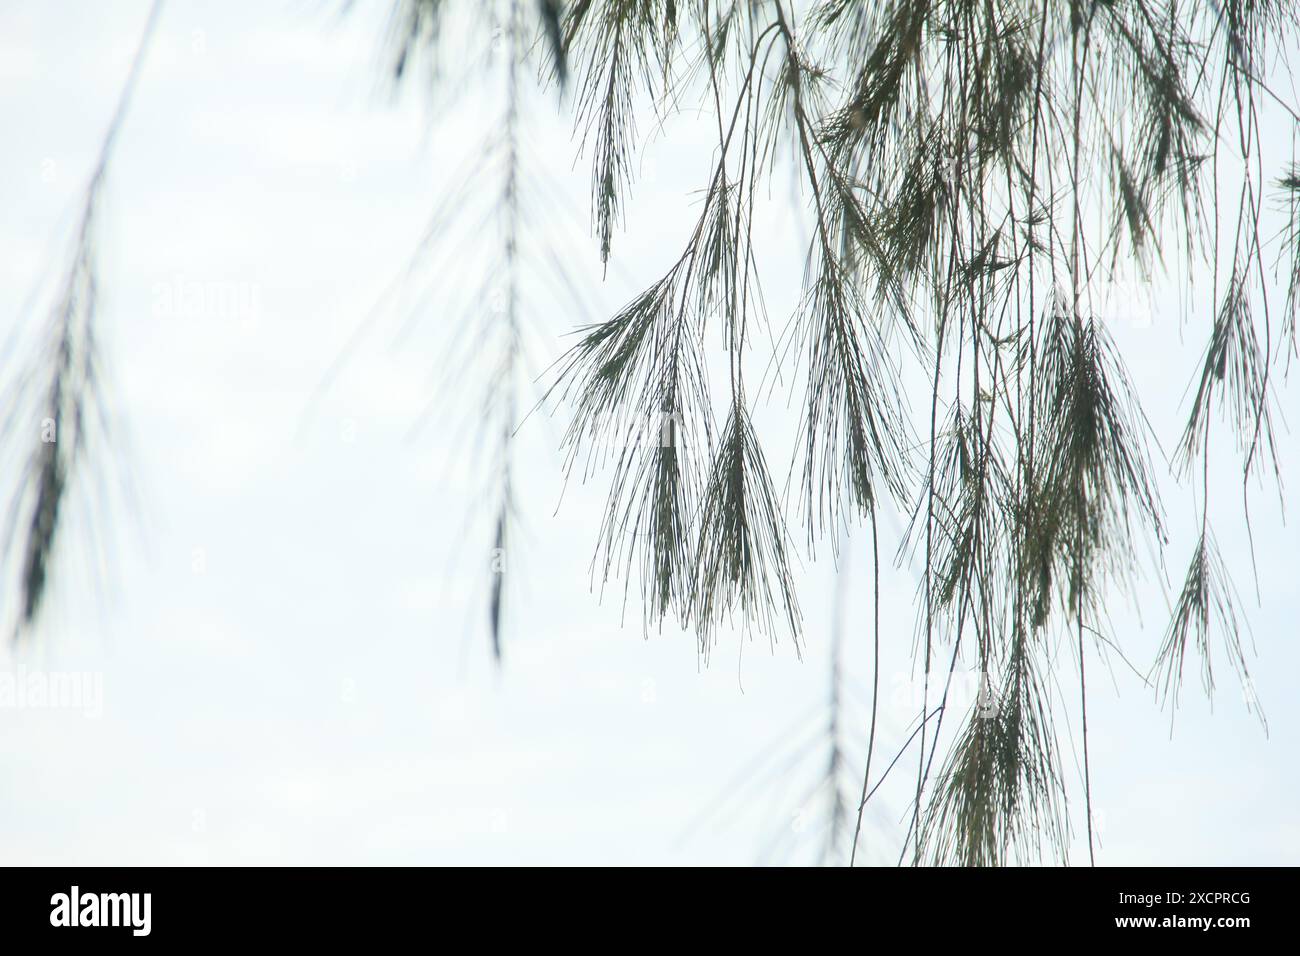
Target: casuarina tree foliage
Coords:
[[977, 177]]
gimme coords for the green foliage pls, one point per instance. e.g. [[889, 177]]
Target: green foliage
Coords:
[[973, 172]]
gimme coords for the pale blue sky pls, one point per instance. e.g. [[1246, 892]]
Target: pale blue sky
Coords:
[[293, 663]]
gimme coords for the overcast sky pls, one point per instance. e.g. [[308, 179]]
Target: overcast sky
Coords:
[[290, 640]]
